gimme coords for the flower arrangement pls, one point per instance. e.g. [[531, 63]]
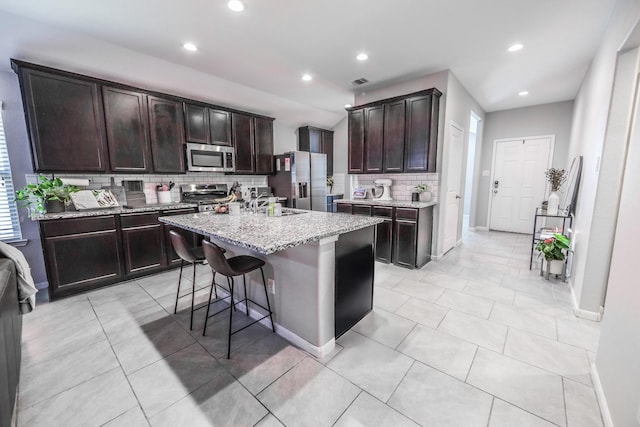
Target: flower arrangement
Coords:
[[556, 177], [330, 183], [420, 188], [553, 247]]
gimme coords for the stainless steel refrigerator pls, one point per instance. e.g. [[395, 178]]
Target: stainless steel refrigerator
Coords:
[[302, 178]]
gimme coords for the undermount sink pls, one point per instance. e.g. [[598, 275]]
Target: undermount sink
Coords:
[[285, 212]]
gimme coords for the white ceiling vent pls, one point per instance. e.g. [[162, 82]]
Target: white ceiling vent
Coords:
[[360, 81]]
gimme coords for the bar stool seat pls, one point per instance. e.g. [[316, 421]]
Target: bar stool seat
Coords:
[[192, 256], [230, 267]]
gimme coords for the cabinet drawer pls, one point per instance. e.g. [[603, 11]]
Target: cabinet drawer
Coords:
[[407, 213], [343, 208], [383, 211], [134, 220], [361, 210], [63, 227], [179, 212]]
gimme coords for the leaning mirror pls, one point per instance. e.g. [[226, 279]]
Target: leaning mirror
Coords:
[[570, 188]]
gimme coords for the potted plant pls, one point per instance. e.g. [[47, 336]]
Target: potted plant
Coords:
[[330, 184], [555, 177], [423, 191], [553, 249], [48, 195]]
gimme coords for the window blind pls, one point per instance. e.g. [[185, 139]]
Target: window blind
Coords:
[[9, 222]]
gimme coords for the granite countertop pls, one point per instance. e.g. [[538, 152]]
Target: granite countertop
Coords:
[[267, 235], [113, 211], [395, 203]]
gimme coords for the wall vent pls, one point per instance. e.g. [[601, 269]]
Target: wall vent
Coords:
[[360, 81]]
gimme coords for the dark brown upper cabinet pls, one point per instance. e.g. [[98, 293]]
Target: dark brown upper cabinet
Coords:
[[316, 140], [65, 121], [356, 141], [373, 137], [242, 127], [167, 135], [196, 123], [206, 125], [220, 127], [253, 143], [263, 145], [398, 134], [127, 127], [421, 134], [394, 125]]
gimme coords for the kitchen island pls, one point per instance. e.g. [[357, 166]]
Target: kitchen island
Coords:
[[322, 265]]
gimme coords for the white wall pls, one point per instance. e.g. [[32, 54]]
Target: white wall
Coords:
[[547, 119]]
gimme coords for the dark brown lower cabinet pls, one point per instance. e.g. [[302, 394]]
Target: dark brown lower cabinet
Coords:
[[384, 234], [81, 254], [142, 243], [405, 236]]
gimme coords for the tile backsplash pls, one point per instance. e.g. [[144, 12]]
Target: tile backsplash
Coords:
[[97, 181], [402, 184]]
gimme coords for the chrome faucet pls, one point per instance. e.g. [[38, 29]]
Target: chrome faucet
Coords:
[[254, 203]]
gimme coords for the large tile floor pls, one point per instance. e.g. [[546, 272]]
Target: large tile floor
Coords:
[[473, 340]]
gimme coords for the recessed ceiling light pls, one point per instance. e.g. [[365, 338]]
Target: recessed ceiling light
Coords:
[[348, 105], [235, 5], [190, 47], [516, 47], [362, 57], [307, 77], [523, 93]]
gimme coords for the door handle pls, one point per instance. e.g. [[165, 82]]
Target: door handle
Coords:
[[458, 197]]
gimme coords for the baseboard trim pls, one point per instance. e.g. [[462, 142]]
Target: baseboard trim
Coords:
[[294, 339], [579, 312], [602, 400], [481, 228]]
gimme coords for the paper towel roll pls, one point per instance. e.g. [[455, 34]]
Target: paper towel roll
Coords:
[[75, 181]]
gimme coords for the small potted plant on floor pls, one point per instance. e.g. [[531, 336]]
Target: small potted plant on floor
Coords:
[[47, 196], [424, 195], [553, 249]]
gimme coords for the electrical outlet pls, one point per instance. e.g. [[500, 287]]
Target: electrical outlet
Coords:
[[271, 286]]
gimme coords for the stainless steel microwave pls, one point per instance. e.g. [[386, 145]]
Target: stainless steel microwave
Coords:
[[210, 158]]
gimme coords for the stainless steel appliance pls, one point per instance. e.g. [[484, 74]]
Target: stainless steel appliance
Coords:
[[203, 195], [210, 158], [301, 177]]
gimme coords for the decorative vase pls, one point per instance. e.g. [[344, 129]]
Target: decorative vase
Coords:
[[553, 203], [555, 266], [425, 196], [54, 206]]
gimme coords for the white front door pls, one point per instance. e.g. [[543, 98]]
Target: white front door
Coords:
[[454, 178], [518, 182]]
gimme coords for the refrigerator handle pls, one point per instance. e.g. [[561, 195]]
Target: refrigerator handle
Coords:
[[302, 190]]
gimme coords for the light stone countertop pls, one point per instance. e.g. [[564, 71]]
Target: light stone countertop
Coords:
[[267, 235], [395, 203], [113, 211]]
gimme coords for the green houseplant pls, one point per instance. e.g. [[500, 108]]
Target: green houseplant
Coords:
[[423, 191], [48, 195], [553, 249]]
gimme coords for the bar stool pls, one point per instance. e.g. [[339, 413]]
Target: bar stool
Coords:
[[231, 267], [192, 256]]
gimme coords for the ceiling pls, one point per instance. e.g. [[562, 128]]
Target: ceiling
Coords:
[[264, 50]]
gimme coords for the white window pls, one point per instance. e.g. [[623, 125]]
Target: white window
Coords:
[[9, 222]]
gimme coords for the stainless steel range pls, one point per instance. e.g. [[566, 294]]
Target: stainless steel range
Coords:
[[203, 195]]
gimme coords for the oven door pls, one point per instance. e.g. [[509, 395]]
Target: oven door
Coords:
[[208, 158]]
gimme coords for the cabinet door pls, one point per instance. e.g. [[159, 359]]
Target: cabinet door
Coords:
[[167, 135], [373, 130], [65, 122], [356, 141], [394, 128], [404, 247], [143, 242], [263, 146], [220, 127], [125, 115], [327, 148], [242, 131], [82, 260], [196, 123], [384, 241], [418, 133]]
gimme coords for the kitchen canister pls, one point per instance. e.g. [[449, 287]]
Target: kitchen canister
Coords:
[[164, 197]]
